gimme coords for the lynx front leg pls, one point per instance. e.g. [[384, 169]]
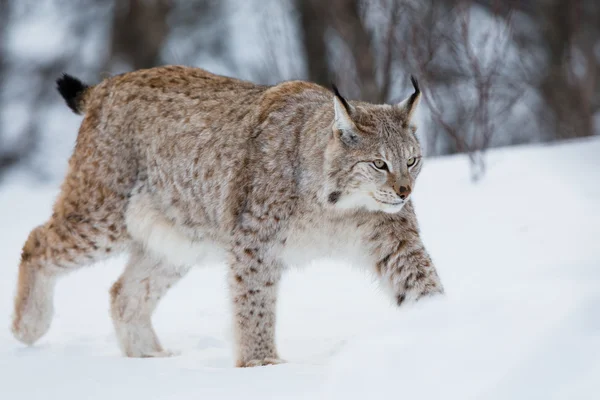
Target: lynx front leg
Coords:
[[406, 268], [253, 281]]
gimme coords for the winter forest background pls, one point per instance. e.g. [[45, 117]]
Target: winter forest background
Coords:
[[494, 73], [517, 251]]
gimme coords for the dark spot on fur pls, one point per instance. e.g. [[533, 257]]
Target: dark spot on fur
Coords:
[[269, 284], [385, 259], [334, 197], [116, 289], [25, 256], [239, 279], [401, 245], [401, 299]]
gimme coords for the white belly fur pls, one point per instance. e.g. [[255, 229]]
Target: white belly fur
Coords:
[[336, 242], [149, 227]]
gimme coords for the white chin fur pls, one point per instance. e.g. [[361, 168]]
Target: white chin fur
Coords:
[[362, 200], [392, 209]]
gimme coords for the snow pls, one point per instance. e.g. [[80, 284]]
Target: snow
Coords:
[[518, 254]]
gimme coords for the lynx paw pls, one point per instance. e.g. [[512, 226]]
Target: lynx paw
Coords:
[[163, 353], [33, 306], [260, 363], [31, 322], [29, 329], [428, 286], [154, 354]]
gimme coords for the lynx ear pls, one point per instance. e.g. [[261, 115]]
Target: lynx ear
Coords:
[[410, 105], [343, 126]]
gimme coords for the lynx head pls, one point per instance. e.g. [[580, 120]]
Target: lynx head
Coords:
[[373, 156]]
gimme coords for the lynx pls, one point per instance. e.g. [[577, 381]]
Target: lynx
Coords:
[[180, 167]]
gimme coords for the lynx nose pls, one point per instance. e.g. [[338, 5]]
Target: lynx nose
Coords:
[[402, 191]]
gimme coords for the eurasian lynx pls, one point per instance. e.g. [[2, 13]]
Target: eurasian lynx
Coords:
[[176, 165]]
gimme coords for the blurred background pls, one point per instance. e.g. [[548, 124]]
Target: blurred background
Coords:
[[494, 73], [513, 232]]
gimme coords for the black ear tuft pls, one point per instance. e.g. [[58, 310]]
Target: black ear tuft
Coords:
[[415, 84], [342, 99], [71, 89], [412, 100]]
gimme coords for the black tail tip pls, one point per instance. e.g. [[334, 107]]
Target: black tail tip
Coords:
[[71, 89]]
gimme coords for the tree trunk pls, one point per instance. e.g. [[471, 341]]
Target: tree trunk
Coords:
[[313, 24], [347, 21], [139, 31], [560, 88]]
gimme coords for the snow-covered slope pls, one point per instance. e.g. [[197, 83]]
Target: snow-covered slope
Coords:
[[519, 254]]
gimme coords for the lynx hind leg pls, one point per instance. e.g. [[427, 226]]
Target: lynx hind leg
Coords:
[[87, 224], [135, 296], [71, 239]]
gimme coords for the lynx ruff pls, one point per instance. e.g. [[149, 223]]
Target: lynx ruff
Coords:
[[178, 167]]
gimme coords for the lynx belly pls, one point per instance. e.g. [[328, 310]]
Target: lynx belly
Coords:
[[326, 240], [149, 227]]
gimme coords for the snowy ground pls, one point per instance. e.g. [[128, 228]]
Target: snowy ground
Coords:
[[519, 254]]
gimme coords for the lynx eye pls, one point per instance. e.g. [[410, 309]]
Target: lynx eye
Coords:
[[411, 161], [380, 164]]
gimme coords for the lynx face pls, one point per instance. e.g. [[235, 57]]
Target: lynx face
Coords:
[[373, 157]]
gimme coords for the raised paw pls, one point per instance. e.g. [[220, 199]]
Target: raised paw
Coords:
[[33, 305], [260, 363], [28, 329]]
